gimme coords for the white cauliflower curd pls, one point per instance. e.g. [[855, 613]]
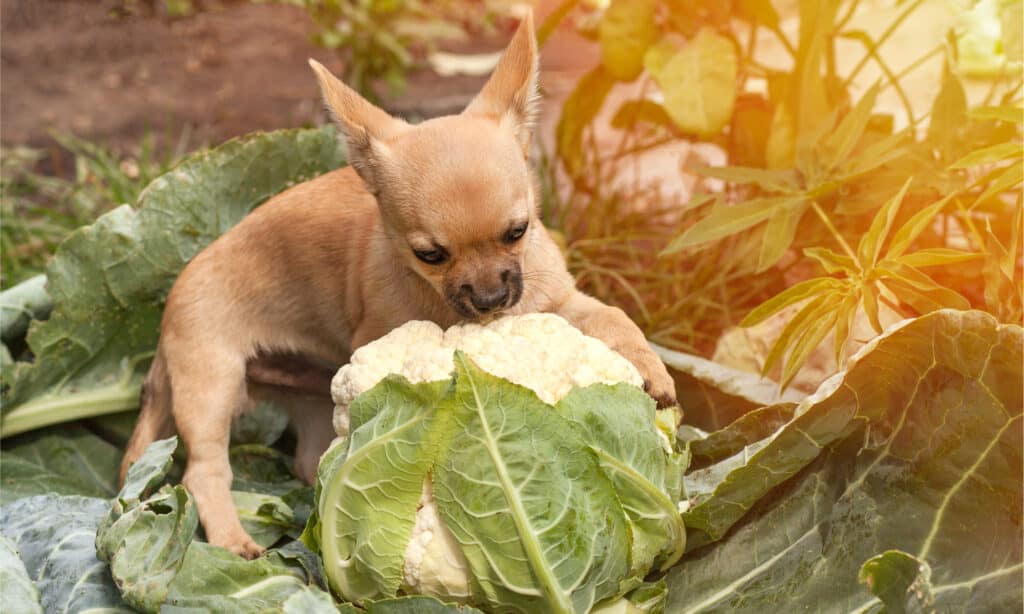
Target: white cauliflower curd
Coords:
[[540, 351]]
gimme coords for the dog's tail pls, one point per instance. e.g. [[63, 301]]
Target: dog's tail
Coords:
[[155, 418]]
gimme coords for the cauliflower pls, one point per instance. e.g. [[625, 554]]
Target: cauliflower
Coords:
[[540, 351], [480, 492]]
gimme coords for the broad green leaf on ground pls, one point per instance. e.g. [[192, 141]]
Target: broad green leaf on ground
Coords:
[[417, 604], [109, 280], [902, 582], [614, 421], [713, 396], [626, 30], [260, 585], [311, 602], [915, 447], [66, 461], [55, 537], [568, 551], [18, 595], [698, 81]]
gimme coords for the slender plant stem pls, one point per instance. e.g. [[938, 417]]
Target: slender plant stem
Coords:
[[881, 40], [849, 13], [831, 227]]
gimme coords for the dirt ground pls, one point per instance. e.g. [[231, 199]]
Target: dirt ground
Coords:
[[235, 67]]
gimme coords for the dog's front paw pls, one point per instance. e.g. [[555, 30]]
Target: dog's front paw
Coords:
[[662, 389], [657, 382], [241, 544]]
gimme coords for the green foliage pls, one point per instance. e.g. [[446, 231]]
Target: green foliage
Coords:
[[915, 447], [580, 528], [385, 40], [813, 170], [109, 280], [39, 210]]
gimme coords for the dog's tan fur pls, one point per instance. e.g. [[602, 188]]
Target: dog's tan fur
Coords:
[[328, 266]]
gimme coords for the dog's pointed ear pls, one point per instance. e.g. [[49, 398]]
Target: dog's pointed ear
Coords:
[[365, 126], [510, 95]]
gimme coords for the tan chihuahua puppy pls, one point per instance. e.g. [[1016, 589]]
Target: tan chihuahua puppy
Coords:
[[436, 221]]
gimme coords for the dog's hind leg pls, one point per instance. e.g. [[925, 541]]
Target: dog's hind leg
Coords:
[[155, 418], [208, 390]]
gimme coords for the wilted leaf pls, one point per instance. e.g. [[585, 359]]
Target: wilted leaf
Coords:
[[627, 29], [916, 447], [698, 82]]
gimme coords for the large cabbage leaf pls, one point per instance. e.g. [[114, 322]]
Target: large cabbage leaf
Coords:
[[917, 447], [367, 505], [108, 281], [615, 422], [524, 489], [538, 520]]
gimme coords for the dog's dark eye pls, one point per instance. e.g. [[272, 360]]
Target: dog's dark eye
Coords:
[[431, 256], [515, 233]]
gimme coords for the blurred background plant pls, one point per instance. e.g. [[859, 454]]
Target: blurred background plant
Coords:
[[383, 40], [40, 209], [853, 206]]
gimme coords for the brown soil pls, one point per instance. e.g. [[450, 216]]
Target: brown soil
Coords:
[[229, 69]]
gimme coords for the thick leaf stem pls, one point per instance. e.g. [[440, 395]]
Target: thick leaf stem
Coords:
[[57, 408]]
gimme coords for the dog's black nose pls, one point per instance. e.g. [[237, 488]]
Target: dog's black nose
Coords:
[[485, 302]]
